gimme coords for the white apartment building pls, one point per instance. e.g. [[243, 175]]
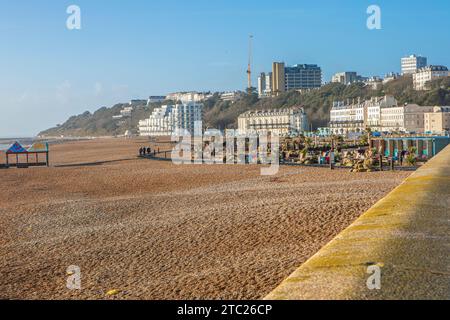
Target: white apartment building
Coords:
[[393, 119], [283, 122], [232, 96], [384, 115], [374, 112], [160, 123], [348, 117], [268, 90], [186, 97], [411, 64], [358, 116], [169, 119], [426, 74], [265, 85]]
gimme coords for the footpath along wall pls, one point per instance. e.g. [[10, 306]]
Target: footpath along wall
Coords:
[[405, 237]]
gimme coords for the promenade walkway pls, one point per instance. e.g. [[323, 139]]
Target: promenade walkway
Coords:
[[406, 236]]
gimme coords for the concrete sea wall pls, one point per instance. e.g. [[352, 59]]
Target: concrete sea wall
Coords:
[[405, 237]]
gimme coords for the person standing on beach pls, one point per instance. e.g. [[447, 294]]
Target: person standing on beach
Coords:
[[402, 156]]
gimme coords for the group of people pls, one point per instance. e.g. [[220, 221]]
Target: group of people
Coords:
[[145, 150]]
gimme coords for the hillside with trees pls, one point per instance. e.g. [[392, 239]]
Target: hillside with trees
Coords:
[[101, 122], [317, 103], [223, 114]]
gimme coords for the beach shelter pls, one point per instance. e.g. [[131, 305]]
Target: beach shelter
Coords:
[[17, 149], [39, 148]]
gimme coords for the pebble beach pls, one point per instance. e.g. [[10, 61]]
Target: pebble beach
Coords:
[[147, 229]]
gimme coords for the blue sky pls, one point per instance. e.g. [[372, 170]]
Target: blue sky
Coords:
[[133, 49]]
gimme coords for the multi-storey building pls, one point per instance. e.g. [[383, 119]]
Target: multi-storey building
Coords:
[[345, 77], [414, 117], [438, 121], [261, 84], [278, 78], [160, 123], [411, 64], [232, 96], [281, 79], [268, 89], [186, 115], [303, 76], [265, 84], [382, 114], [186, 97], [170, 119], [346, 117], [393, 118], [374, 112], [426, 74], [155, 99], [283, 122], [358, 116]]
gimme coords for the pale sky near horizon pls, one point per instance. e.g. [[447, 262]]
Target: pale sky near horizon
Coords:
[[138, 48]]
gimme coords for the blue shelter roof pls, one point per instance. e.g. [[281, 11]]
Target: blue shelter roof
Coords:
[[16, 147]]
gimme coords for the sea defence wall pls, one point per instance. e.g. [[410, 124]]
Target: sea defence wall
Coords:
[[403, 241]]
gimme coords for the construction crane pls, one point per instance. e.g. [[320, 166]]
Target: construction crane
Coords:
[[249, 70]]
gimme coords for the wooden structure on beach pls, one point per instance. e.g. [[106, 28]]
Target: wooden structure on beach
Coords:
[[19, 151], [424, 147]]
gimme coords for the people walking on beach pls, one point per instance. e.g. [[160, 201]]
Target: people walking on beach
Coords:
[[140, 151], [149, 150]]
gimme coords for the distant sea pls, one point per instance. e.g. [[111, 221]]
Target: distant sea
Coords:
[[26, 142], [6, 142]]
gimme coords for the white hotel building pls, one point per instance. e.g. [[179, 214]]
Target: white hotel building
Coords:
[[283, 122], [168, 119]]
